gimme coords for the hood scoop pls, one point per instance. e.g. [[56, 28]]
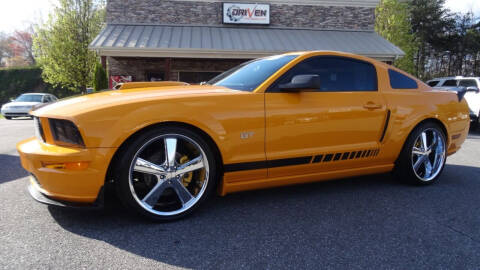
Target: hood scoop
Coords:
[[132, 85]]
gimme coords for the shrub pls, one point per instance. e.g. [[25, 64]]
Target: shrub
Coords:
[[100, 81], [16, 81]]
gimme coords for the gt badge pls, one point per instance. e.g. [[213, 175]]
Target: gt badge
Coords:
[[246, 135]]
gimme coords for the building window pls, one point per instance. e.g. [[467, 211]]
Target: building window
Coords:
[[155, 76], [196, 77]]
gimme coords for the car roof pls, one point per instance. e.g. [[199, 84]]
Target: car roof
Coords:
[[454, 78], [447, 78], [35, 94], [470, 78]]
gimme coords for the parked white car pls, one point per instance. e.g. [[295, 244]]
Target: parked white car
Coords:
[[472, 97], [22, 105]]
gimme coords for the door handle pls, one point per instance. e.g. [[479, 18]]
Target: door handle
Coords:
[[372, 106]]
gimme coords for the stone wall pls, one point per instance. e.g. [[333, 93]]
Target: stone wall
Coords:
[[210, 13], [138, 67]]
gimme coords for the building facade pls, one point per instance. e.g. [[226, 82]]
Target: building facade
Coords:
[[193, 41]]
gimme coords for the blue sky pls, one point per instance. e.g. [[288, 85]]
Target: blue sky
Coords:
[[18, 14]]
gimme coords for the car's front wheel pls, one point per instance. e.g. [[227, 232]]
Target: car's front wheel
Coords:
[[166, 173], [423, 156], [8, 117]]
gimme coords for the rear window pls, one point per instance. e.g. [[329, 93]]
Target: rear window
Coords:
[[468, 83], [432, 83], [400, 81], [450, 83]]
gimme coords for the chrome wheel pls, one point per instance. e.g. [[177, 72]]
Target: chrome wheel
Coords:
[[168, 174], [428, 154]]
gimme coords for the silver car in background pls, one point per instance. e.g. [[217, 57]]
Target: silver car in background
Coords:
[[21, 106], [472, 96]]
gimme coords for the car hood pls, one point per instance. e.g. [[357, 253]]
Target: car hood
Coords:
[[83, 104], [21, 103]]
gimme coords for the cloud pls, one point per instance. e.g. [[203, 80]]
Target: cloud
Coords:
[[464, 6]]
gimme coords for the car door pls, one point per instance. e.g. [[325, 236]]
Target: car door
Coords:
[[337, 126]]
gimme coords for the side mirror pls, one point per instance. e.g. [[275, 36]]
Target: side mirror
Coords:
[[302, 83], [472, 89]]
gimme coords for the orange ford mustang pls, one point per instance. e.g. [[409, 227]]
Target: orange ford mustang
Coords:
[[280, 120]]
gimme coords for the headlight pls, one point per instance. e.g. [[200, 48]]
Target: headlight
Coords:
[[65, 131], [39, 129]]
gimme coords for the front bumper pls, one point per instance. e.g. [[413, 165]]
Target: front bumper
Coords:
[[36, 193], [82, 185], [16, 112]]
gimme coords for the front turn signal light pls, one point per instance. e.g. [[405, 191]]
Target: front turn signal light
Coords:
[[76, 166]]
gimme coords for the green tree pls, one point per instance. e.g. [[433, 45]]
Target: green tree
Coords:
[[101, 81], [392, 21], [61, 45], [429, 20]]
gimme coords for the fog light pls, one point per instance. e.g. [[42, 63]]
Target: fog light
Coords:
[[67, 165]]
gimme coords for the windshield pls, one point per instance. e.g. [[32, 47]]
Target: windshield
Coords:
[[30, 98], [250, 75]]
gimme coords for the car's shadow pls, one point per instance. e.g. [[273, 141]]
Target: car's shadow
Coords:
[[348, 223], [10, 168]]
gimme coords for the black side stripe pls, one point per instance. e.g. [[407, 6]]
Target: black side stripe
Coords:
[[245, 166], [317, 158], [385, 126], [288, 161], [266, 164]]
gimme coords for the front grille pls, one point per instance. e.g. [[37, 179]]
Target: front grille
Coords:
[[38, 129], [16, 114], [21, 107]]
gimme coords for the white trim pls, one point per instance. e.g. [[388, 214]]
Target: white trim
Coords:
[[211, 54], [342, 3]]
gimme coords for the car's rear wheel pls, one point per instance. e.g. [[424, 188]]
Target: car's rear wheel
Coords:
[[423, 156], [8, 117], [166, 173]]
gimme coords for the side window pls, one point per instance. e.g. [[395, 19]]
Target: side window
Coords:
[[336, 74], [450, 83], [432, 83], [400, 81], [467, 83]]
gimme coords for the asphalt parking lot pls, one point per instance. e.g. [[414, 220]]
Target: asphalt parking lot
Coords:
[[371, 222]]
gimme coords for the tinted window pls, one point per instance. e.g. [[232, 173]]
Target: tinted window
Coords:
[[400, 81], [468, 83], [336, 74], [250, 75], [450, 83], [432, 83]]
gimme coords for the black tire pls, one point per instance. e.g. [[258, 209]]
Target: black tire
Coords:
[[127, 156], [404, 166], [8, 117]]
